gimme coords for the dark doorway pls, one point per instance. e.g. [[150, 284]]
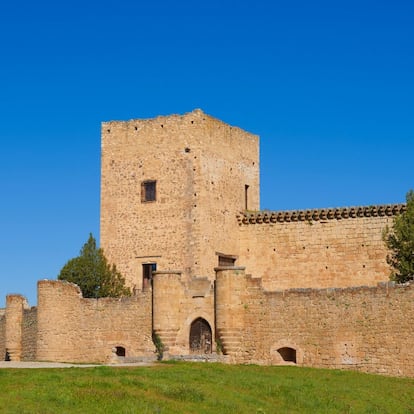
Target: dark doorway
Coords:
[[200, 337], [147, 269], [288, 354]]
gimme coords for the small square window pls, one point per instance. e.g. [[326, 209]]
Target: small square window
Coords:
[[148, 191]]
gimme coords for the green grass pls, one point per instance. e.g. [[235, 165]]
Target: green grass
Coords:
[[201, 388]]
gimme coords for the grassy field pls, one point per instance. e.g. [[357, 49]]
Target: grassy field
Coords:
[[201, 388]]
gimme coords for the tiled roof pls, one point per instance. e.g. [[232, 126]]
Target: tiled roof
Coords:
[[323, 214]]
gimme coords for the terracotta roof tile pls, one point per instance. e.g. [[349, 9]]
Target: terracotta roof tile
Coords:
[[259, 217]]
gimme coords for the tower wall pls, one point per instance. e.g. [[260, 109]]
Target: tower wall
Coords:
[[15, 305], [201, 167], [168, 295], [230, 308], [2, 334]]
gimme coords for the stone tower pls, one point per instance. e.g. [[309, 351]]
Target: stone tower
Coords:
[[171, 188]]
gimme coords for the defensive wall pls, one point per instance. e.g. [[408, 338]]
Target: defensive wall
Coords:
[[177, 304], [72, 328], [29, 334], [2, 333], [363, 328], [65, 327], [172, 189], [337, 247]]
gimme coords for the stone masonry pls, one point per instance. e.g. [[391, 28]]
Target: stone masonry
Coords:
[[201, 168], [212, 274]]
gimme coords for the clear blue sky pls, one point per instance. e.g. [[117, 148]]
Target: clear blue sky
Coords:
[[328, 86]]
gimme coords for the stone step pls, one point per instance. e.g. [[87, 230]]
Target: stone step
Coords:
[[213, 357]]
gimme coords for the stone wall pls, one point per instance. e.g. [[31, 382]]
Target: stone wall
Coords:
[[71, 328], [317, 249], [2, 334], [366, 328], [29, 334], [15, 308], [177, 305], [201, 167]]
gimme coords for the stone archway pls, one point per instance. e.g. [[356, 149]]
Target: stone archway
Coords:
[[200, 337]]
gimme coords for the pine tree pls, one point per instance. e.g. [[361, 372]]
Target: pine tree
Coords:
[[400, 242], [93, 274]]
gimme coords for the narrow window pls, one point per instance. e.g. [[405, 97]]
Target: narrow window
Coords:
[[147, 269], [148, 191], [246, 190]]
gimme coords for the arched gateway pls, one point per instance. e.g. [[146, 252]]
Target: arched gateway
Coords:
[[200, 337]]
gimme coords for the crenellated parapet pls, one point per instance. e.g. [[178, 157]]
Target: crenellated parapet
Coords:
[[336, 213]]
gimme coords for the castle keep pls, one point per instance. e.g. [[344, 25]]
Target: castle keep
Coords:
[[212, 274]]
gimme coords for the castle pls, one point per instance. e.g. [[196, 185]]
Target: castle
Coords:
[[212, 275]]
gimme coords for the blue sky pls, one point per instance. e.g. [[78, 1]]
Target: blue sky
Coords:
[[328, 86]]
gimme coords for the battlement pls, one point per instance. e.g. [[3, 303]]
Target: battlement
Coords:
[[336, 213], [365, 328]]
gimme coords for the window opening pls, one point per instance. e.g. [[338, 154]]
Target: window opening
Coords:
[[246, 190], [147, 269], [200, 337], [120, 351], [148, 191], [288, 354], [226, 261]]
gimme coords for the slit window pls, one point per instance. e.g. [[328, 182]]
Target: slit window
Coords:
[[246, 194], [148, 191]]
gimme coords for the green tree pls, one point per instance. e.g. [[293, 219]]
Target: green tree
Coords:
[[400, 241], [93, 274]]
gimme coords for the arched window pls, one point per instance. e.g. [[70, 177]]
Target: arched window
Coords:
[[288, 354], [200, 337]]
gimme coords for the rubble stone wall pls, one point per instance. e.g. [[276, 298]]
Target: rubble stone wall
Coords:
[[73, 329], [177, 305], [363, 328], [201, 167], [316, 253], [29, 334], [2, 334]]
